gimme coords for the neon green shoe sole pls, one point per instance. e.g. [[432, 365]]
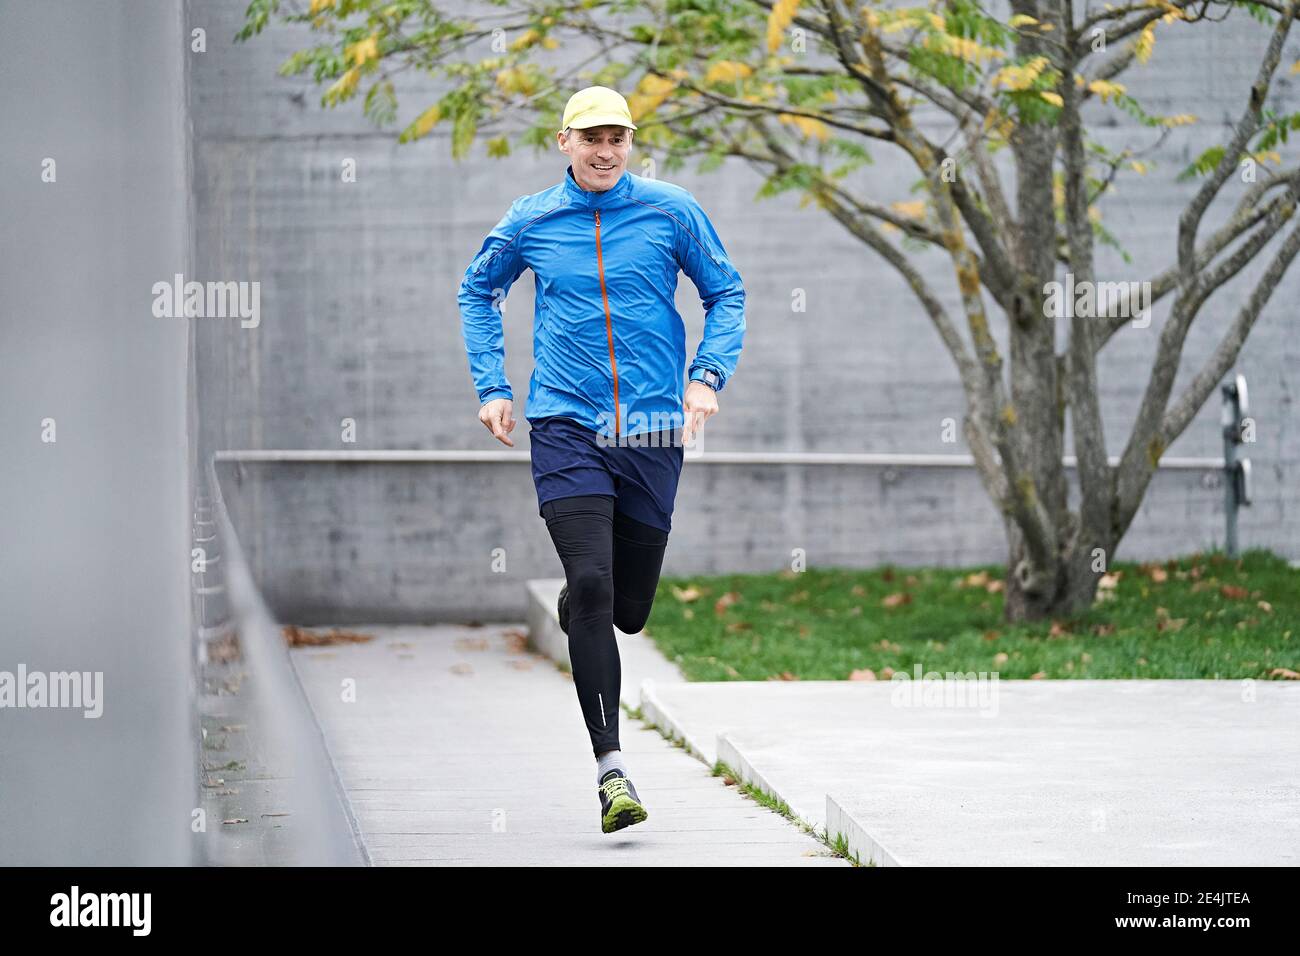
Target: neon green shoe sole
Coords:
[[619, 804], [623, 812]]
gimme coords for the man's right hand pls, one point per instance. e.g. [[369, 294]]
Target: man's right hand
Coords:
[[497, 417]]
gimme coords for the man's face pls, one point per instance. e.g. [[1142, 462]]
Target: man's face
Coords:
[[598, 155]]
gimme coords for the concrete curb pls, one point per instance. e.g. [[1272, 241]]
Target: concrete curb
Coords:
[[729, 753], [654, 712], [544, 634], [860, 843], [838, 821]]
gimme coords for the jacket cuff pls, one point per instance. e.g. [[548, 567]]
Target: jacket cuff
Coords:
[[697, 375], [492, 393]]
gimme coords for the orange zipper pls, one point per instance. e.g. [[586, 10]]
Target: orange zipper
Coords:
[[609, 325]]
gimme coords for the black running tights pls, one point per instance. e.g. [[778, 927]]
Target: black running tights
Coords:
[[612, 564]]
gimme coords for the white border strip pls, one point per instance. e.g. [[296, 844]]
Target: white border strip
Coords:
[[710, 458]]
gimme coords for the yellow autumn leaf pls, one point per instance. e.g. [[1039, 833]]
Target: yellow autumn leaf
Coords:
[[999, 123], [778, 20], [727, 71], [516, 80], [1021, 20], [911, 18], [962, 48], [426, 121], [1145, 43], [1181, 119], [526, 39], [1139, 167], [910, 210], [1106, 89], [807, 125], [650, 92], [344, 86], [362, 51], [1172, 12], [1053, 98], [653, 85], [1019, 77], [318, 5]]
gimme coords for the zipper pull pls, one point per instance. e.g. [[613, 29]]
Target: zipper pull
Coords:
[[597, 213]]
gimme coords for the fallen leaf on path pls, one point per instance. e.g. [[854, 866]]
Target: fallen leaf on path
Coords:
[[302, 637], [720, 606]]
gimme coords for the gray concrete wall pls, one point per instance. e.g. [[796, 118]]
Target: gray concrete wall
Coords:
[[94, 557], [360, 320]]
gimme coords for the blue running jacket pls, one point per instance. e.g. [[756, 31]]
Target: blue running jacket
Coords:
[[609, 346]]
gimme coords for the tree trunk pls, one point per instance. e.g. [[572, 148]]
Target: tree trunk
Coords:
[[1066, 589]]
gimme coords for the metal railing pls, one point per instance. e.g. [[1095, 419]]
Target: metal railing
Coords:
[[1237, 429]]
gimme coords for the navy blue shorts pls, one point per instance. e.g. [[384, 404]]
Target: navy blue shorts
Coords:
[[640, 473]]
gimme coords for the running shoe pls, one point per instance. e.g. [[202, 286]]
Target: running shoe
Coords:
[[619, 805], [562, 607]]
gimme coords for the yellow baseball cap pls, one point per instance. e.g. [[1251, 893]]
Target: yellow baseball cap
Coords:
[[596, 106]]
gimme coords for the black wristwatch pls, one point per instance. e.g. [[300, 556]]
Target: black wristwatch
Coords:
[[708, 377]]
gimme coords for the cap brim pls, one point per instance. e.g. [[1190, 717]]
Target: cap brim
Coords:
[[606, 119]]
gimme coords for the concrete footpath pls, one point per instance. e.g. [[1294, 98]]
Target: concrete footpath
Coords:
[[457, 745], [1041, 773]]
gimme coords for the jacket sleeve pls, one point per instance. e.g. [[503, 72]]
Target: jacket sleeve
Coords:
[[483, 289], [705, 261]]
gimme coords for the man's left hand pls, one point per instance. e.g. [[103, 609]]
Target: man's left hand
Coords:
[[700, 404]]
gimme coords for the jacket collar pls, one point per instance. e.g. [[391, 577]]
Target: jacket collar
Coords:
[[584, 199]]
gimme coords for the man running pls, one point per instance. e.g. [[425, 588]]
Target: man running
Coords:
[[607, 418]]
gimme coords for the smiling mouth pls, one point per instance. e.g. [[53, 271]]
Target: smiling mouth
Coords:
[[603, 169]]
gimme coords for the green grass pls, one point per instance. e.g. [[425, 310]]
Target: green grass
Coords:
[[1196, 617]]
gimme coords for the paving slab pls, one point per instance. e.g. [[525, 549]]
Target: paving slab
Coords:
[[1160, 772], [457, 746]]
